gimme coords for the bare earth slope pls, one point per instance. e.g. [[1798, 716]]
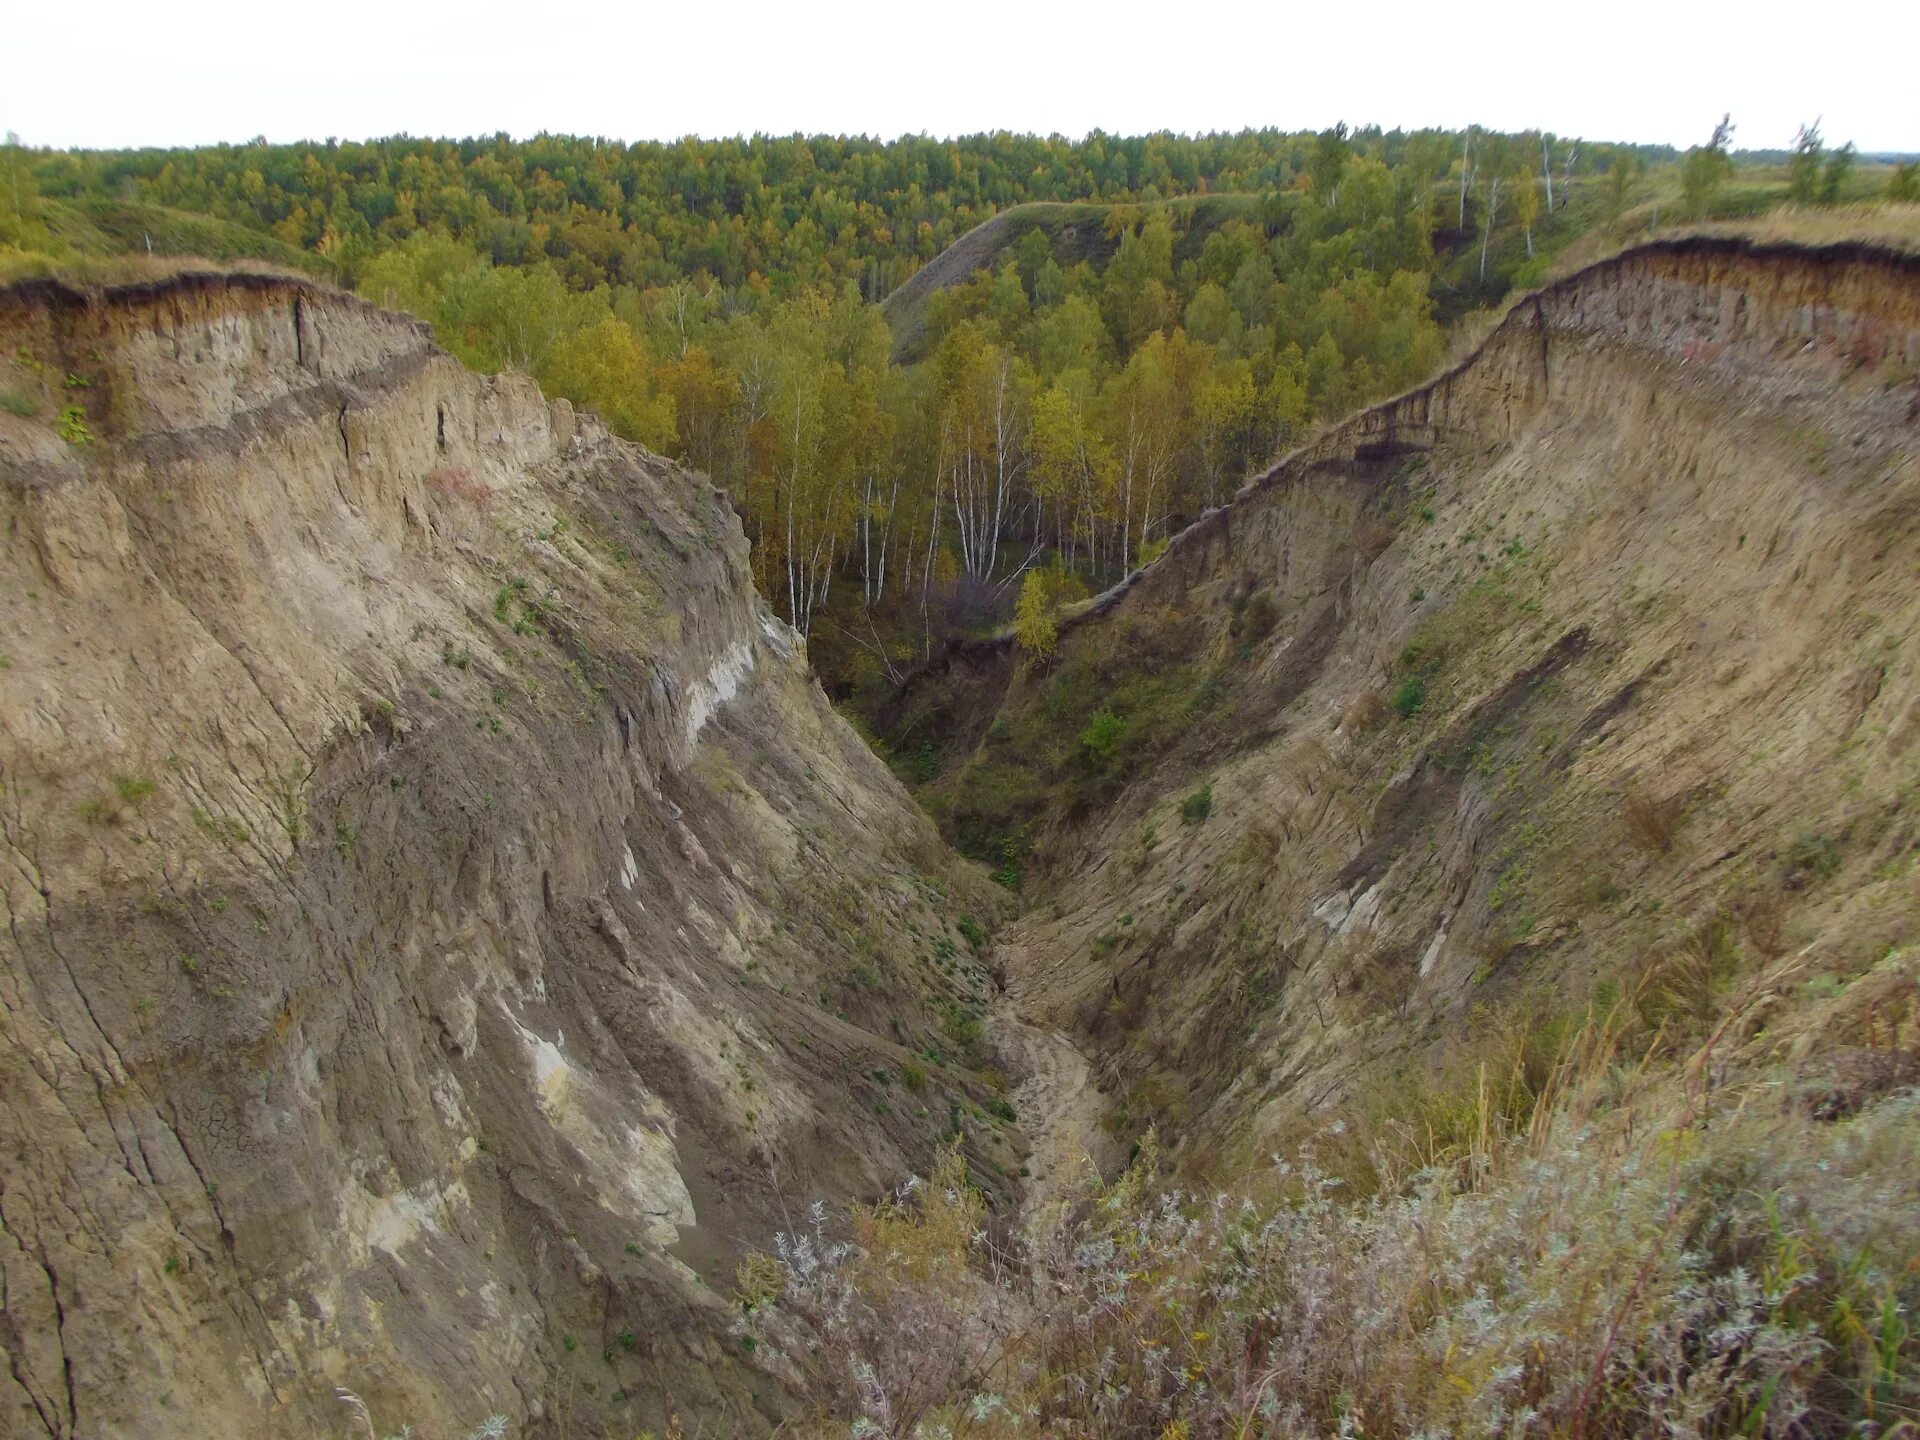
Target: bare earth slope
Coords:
[[442, 913], [1594, 655]]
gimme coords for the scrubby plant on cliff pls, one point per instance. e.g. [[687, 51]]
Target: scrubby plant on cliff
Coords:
[[1557, 1242], [72, 426], [1036, 624], [1100, 741], [1409, 696], [898, 1318]]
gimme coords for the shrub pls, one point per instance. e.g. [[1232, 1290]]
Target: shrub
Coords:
[[1815, 854], [922, 765], [1560, 1268], [1197, 806], [14, 403], [757, 1281], [1367, 710], [1409, 696], [1763, 923], [913, 1075], [962, 1025], [72, 426], [1256, 623], [1654, 821], [1100, 741], [133, 790]]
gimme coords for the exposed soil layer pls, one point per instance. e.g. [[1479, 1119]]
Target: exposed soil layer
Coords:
[[1488, 698], [445, 921]]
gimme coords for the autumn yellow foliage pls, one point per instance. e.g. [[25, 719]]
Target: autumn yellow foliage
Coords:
[[1036, 618]]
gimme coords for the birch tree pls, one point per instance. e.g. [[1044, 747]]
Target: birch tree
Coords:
[[1526, 205], [1466, 172]]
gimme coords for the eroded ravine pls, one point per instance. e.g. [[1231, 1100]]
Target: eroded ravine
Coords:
[[1492, 691], [446, 920], [1061, 1112]]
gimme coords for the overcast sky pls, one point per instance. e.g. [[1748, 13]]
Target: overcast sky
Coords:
[[119, 73]]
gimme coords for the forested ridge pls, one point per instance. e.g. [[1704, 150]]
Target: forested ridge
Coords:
[[767, 212], [1203, 302]]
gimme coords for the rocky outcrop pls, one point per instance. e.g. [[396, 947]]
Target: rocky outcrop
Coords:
[[443, 916], [1600, 646]]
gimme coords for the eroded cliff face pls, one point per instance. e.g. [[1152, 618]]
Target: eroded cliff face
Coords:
[[1597, 648], [443, 914]]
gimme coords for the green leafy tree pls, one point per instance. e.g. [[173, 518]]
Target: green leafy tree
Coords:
[[1137, 287], [1706, 169], [1330, 155], [1327, 381], [1526, 204], [1211, 316], [1034, 253], [1499, 160], [21, 227], [1071, 336], [1036, 622], [1833, 179], [1619, 185], [1284, 401], [1226, 421], [1072, 467], [1803, 165], [604, 368], [1255, 290]]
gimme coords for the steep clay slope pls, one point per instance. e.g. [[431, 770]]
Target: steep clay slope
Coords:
[[1594, 655], [443, 915]]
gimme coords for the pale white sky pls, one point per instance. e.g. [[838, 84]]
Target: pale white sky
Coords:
[[131, 72]]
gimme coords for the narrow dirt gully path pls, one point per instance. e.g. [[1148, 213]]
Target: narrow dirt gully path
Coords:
[[1058, 1105]]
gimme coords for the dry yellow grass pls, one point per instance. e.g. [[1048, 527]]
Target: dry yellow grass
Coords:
[[1895, 227], [93, 272]]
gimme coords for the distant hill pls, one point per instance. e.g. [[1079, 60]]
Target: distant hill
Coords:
[[120, 227]]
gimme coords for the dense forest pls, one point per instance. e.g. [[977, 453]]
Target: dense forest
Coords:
[[1196, 306], [764, 213]]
